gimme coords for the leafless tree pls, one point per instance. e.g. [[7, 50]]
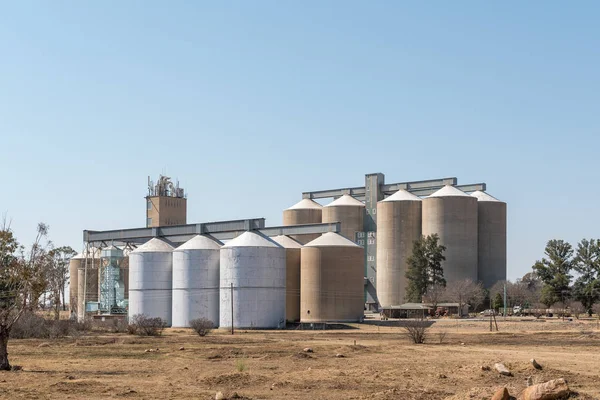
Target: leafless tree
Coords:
[[435, 295], [465, 292], [577, 309], [22, 281]]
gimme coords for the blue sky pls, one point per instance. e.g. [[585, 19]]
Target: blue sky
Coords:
[[251, 103]]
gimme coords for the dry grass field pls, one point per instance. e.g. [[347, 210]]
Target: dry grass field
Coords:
[[378, 363]]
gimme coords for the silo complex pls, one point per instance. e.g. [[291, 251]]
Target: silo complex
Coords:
[[150, 280], [452, 214], [304, 212], [398, 227], [292, 276], [74, 265], [349, 212], [196, 281], [332, 280], [253, 272], [491, 232]]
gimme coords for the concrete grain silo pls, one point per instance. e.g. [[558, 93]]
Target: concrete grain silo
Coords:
[[491, 231], [151, 279], [196, 281], [87, 281], [74, 265], [398, 227], [304, 212], [292, 276], [253, 273], [452, 214], [349, 212], [332, 280]]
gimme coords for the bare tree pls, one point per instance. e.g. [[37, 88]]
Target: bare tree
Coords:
[[22, 281], [435, 295], [577, 308], [465, 292]]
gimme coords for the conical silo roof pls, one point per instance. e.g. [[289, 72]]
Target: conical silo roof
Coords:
[[251, 239], [449, 191], [402, 195], [483, 196], [200, 242], [287, 242], [346, 200], [154, 245], [305, 204], [331, 239]]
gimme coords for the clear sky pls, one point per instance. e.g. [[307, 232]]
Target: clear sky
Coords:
[[251, 103]]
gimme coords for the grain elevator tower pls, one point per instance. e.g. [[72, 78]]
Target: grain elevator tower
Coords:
[[166, 203]]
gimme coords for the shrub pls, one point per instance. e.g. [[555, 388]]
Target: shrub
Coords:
[[240, 365], [202, 326], [441, 336], [34, 326], [416, 330], [142, 325]]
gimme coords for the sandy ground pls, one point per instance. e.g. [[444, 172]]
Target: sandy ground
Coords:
[[378, 363]]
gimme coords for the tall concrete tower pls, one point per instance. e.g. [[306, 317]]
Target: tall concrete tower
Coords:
[[166, 203]]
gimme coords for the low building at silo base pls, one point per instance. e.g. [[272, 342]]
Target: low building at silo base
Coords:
[[292, 276], [196, 281], [332, 280], [150, 280], [252, 283]]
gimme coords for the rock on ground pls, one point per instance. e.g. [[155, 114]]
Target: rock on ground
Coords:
[[502, 369], [535, 364], [551, 390], [501, 394], [219, 396], [307, 350]]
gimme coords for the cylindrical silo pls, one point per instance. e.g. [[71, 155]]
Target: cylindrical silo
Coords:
[[196, 281], [398, 227], [87, 281], [150, 280], [74, 265], [306, 211], [349, 212], [292, 276], [331, 280], [253, 272], [452, 214], [491, 231]]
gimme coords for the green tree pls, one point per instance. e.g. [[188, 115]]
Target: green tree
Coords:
[[554, 271], [498, 302], [425, 267], [586, 288]]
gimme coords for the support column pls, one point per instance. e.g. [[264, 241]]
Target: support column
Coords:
[[373, 194]]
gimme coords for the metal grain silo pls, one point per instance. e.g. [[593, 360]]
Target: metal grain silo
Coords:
[[349, 212], [150, 280], [332, 280], [452, 214], [491, 231], [398, 227], [74, 265], [304, 212], [253, 272], [196, 281], [292, 276]]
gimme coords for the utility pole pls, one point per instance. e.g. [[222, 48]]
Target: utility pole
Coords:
[[505, 301], [232, 308], [492, 311]]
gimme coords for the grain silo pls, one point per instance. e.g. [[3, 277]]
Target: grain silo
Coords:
[[491, 231], [74, 265], [452, 214], [305, 211], [88, 272], [349, 212], [292, 276], [196, 281], [253, 272], [398, 227], [150, 280], [332, 280]]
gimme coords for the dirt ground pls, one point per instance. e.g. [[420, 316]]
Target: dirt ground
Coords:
[[378, 363]]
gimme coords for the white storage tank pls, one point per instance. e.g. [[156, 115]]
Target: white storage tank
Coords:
[[196, 281], [151, 279], [253, 271]]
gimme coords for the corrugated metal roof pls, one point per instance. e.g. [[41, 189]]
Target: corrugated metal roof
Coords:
[[346, 200], [449, 191], [402, 195], [305, 204], [199, 242], [483, 196], [287, 242], [331, 239], [251, 239], [154, 245]]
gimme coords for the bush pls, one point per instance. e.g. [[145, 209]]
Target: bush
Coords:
[[34, 326], [202, 326], [416, 330], [240, 365], [142, 325]]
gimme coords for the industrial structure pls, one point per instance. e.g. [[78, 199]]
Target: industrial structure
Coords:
[[327, 263]]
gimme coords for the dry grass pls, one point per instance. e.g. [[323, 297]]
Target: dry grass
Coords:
[[382, 364]]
